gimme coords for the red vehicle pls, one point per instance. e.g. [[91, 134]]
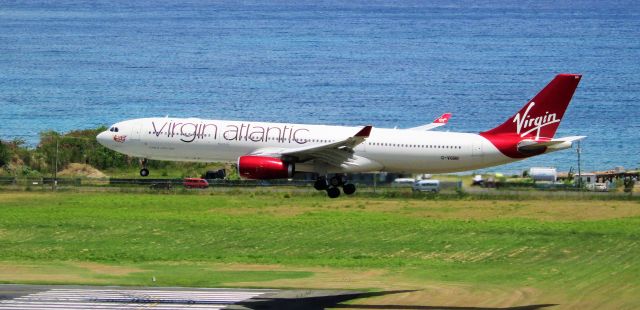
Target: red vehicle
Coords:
[[195, 183]]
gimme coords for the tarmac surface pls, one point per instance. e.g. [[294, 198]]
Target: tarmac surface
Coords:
[[78, 297], [29, 297], [114, 297]]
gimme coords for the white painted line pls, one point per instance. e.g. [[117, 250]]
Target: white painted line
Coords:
[[106, 307], [143, 294], [91, 305], [103, 299]]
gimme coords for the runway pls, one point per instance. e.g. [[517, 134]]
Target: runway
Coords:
[[43, 297], [28, 297]]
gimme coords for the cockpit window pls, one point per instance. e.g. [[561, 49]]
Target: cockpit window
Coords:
[[113, 129]]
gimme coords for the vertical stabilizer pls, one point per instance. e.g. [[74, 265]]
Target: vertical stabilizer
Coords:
[[541, 116], [537, 121]]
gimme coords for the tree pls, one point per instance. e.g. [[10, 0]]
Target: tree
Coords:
[[5, 154]]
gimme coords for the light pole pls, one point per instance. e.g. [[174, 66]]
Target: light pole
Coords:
[[578, 150], [57, 136], [54, 185]]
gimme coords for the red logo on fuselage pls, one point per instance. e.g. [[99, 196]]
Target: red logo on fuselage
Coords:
[[119, 139]]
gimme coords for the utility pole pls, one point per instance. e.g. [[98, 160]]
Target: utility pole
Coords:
[[375, 182], [57, 136], [54, 186], [579, 168]]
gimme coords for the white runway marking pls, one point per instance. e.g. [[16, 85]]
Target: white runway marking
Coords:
[[130, 299]]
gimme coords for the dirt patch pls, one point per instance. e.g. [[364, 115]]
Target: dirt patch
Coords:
[[558, 210], [448, 295], [63, 272], [41, 274], [10, 197], [82, 170], [430, 294], [323, 278], [107, 269]]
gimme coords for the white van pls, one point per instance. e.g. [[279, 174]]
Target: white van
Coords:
[[426, 186]]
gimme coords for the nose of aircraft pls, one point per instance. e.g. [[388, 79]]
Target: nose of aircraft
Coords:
[[104, 138]]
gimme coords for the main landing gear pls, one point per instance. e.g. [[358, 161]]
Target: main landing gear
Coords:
[[144, 171], [333, 184]]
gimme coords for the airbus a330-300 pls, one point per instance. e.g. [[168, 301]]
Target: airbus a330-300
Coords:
[[279, 150]]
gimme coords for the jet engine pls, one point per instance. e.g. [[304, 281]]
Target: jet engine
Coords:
[[264, 168]]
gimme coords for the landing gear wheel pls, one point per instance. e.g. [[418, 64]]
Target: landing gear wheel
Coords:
[[333, 192], [144, 171], [349, 189], [320, 184], [336, 181]]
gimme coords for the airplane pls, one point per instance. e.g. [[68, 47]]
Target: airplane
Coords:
[[279, 150]]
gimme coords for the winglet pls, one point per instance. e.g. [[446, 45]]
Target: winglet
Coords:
[[443, 119], [364, 132]]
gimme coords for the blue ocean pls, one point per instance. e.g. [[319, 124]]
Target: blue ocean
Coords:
[[79, 64]]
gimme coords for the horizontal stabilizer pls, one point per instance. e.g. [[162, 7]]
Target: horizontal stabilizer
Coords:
[[554, 144]]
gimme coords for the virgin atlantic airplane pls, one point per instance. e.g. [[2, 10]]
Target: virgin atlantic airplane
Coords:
[[279, 150]]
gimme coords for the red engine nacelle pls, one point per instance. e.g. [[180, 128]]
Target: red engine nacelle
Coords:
[[264, 168]]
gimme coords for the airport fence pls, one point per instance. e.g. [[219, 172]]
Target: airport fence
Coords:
[[77, 182], [176, 182], [173, 184], [7, 180]]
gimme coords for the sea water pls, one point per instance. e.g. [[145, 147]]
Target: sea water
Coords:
[[68, 65]]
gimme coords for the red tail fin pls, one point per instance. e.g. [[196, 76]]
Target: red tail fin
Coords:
[[541, 116], [443, 119]]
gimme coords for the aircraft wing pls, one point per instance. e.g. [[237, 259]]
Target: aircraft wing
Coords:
[[559, 143], [334, 153], [440, 121]]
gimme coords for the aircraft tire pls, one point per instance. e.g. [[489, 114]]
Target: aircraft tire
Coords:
[[349, 189], [320, 184], [144, 172], [333, 192], [336, 181]]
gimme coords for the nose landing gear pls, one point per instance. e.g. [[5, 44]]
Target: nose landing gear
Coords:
[[144, 171], [333, 184]]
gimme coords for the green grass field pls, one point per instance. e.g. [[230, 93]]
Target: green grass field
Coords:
[[458, 252]]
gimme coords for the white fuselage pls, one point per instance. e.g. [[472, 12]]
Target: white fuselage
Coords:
[[392, 150]]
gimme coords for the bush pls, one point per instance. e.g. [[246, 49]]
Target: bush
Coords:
[[81, 146], [5, 155]]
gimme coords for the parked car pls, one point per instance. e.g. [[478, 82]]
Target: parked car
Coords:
[[212, 175], [597, 187], [195, 183], [477, 180], [432, 186]]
